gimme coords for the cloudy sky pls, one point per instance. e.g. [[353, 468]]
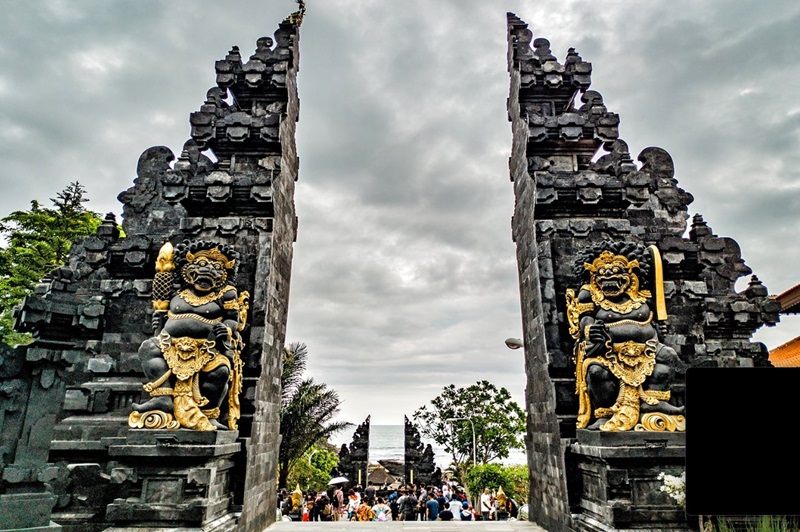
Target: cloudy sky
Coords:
[[404, 274]]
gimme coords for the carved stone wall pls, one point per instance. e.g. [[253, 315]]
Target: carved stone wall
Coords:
[[232, 183], [575, 185], [418, 457], [354, 459], [30, 385]]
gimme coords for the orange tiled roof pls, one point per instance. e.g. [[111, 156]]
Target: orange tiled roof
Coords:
[[790, 300], [786, 355]]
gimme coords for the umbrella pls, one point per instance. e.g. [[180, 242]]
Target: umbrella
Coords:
[[338, 480]]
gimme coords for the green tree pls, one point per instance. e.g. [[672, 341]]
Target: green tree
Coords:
[[307, 411], [499, 423], [313, 470], [37, 241], [493, 476], [518, 475]]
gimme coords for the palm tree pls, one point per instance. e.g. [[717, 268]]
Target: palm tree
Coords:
[[307, 410]]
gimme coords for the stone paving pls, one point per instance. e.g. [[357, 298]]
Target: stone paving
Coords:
[[408, 526]]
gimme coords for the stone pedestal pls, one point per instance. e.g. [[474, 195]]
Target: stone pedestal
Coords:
[[618, 478], [181, 479], [27, 511]]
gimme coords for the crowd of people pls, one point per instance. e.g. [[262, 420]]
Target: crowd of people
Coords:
[[409, 503]]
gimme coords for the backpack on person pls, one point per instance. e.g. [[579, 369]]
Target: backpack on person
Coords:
[[408, 506], [411, 502]]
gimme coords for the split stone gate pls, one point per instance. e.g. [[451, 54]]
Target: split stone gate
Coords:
[[576, 186], [68, 455]]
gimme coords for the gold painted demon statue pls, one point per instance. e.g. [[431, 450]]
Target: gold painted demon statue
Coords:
[[623, 373], [194, 359]]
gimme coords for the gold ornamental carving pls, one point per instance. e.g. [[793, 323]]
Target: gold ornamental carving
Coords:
[[658, 422], [196, 301], [154, 419]]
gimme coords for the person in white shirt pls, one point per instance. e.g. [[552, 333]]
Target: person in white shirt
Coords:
[[486, 504], [455, 507], [446, 493]]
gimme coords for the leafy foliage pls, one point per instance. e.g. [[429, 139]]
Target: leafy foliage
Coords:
[[312, 472], [762, 523], [38, 241], [518, 475], [307, 411], [499, 422], [493, 476]]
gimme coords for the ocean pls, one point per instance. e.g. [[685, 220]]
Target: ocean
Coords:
[[386, 442]]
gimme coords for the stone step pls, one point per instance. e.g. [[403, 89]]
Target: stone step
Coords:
[[407, 526]]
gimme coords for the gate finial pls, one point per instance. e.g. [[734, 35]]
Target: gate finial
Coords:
[[296, 18]]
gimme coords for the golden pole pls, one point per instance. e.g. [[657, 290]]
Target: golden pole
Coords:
[[661, 305]]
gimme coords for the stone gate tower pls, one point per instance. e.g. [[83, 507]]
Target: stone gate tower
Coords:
[[232, 184], [576, 188]]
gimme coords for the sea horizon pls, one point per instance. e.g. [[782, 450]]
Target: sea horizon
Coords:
[[387, 442]]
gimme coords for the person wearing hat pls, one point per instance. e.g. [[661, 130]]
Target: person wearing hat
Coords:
[[466, 511]]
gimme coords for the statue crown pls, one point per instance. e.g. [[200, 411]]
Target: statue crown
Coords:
[[213, 254], [607, 261]]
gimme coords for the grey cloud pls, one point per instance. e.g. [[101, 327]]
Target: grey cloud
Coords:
[[404, 266]]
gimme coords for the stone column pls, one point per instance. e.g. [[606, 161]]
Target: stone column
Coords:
[[31, 392]]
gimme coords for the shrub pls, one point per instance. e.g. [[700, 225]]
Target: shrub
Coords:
[[513, 479]]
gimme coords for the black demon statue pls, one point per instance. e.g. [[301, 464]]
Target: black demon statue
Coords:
[[194, 359], [623, 372]]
